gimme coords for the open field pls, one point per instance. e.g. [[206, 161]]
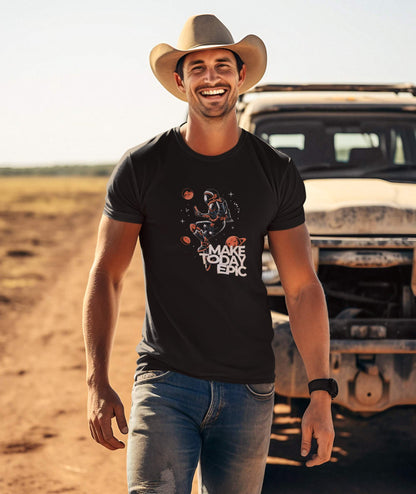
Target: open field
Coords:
[[47, 238], [41, 221]]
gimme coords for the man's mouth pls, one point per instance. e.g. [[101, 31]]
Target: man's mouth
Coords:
[[212, 92]]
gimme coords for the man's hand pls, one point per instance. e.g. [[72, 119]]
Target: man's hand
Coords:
[[104, 404], [317, 423]]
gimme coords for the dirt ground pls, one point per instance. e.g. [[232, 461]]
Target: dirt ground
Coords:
[[45, 446]]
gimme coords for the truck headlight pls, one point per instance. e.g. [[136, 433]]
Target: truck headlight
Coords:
[[269, 275]]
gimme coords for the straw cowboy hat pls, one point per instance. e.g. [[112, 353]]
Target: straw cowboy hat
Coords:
[[202, 32]]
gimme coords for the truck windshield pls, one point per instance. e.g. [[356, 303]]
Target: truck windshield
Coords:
[[345, 145]]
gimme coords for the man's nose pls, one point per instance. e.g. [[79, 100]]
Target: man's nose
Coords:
[[210, 74]]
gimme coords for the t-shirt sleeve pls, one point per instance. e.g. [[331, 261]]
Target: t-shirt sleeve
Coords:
[[291, 197], [123, 201]]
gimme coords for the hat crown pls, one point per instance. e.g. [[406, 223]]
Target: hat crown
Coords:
[[202, 30]]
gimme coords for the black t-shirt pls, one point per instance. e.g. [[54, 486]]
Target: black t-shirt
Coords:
[[204, 219]]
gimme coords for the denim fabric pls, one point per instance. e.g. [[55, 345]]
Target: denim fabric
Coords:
[[177, 421]]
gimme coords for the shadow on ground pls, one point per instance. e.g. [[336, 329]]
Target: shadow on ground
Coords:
[[370, 455]]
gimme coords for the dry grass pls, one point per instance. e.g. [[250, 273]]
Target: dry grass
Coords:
[[41, 220], [48, 195]]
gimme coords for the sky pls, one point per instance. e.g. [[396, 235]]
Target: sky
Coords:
[[76, 85]]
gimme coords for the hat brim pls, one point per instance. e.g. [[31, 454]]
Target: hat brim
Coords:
[[251, 49]]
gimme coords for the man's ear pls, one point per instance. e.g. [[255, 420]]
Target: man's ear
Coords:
[[242, 75], [179, 82]]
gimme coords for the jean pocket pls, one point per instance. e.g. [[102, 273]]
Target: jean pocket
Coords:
[[262, 391], [149, 376]]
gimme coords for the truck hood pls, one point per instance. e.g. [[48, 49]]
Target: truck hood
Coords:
[[360, 207]]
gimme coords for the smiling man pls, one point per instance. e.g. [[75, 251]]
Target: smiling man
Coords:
[[201, 198], [211, 81]]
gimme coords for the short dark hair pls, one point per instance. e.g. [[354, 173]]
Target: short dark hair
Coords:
[[179, 65]]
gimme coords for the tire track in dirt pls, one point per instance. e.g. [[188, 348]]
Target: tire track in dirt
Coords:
[[45, 445]]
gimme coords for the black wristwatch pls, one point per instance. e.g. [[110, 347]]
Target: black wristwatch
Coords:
[[329, 385]]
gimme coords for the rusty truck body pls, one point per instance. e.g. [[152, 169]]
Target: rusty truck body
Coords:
[[355, 147]]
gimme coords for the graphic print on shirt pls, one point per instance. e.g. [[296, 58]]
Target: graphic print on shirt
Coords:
[[212, 229]]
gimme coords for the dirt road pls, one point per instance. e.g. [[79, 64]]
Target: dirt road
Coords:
[[45, 445]]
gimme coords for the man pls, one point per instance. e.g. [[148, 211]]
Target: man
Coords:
[[203, 389]]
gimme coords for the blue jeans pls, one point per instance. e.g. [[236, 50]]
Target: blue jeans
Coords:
[[177, 421]]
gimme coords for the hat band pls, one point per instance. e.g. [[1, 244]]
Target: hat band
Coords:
[[206, 45]]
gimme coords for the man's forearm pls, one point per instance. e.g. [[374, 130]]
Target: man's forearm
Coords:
[[308, 316], [309, 324], [100, 313]]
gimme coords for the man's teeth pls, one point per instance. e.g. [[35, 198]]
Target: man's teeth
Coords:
[[213, 92]]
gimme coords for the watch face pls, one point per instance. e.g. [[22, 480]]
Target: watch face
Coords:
[[333, 387]]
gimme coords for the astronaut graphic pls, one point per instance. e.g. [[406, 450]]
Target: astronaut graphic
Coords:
[[216, 219], [227, 255]]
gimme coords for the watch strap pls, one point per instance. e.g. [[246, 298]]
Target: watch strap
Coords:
[[328, 385]]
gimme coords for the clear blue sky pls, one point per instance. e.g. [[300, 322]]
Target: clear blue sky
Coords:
[[76, 85]]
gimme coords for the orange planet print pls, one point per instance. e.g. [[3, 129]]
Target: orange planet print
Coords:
[[185, 240], [234, 241], [188, 194]]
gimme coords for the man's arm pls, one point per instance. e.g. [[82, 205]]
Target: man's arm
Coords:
[[115, 248], [308, 316]]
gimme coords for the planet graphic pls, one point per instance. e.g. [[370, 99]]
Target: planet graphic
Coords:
[[234, 241], [185, 240], [187, 194]]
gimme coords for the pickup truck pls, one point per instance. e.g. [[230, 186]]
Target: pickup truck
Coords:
[[355, 148]]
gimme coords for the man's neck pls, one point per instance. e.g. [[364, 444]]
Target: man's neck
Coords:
[[211, 138]]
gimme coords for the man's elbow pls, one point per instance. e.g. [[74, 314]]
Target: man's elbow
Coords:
[[101, 276], [309, 291]]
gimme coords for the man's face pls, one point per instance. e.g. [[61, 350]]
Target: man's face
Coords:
[[211, 82]]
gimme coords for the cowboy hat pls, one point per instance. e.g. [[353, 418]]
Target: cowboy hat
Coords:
[[202, 32]]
